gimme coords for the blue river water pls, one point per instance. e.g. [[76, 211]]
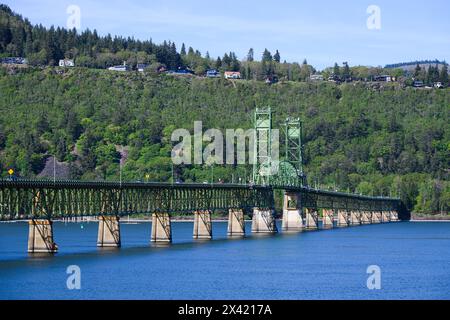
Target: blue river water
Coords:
[[413, 257]]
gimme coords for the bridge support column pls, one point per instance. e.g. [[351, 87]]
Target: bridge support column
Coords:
[[292, 216], [343, 220], [376, 217], [355, 218], [385, 216], [108, 231], [202, 225], [327, 219], [40, 237], [161, 228], [365, 217], [394, 216], [311, 219], [263, 221], [236, 223]]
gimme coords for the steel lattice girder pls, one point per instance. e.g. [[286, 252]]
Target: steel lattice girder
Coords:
[[29, 199], [32, 199], [320, 199]]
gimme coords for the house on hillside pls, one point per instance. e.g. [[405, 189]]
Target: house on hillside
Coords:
[[213, 73], [418, 84], [13, 60], [180, 71], [383, 78], [66, 63], [121, 68], [316, 77], [232, 75], [141, 67], [161, 69], [334, 78], [271, 79]]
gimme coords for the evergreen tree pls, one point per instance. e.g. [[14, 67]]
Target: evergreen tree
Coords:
[[443, 77], [346, 71], [250, 55], [277, 57], [336, 70], [417, 71], [267, 56], [183, 50], [218, 63]]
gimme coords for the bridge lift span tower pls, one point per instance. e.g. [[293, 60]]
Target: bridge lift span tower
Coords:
[[267, 169]]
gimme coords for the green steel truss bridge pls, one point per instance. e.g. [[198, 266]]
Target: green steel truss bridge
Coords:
[[42, 199]]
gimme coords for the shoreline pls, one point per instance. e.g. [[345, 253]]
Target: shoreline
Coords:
[[136, 221]]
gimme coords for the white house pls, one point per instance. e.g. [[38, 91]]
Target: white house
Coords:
[[316, 77], [232, 75], [121, 68], [66, 63]]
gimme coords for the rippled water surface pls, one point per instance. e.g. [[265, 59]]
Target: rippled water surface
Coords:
[[414, 259]]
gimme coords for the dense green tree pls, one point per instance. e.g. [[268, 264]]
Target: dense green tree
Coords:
[[266, 56], [276, 57], [443, 77], [336, 70], [417, 71], [346, 71], [250, 55]]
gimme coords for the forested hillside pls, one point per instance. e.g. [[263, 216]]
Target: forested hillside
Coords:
[[358, 138]]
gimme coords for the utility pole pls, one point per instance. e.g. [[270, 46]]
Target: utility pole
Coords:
[[54, 169], [120, 172]]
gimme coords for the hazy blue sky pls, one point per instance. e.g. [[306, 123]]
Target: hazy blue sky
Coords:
[[324, 32]]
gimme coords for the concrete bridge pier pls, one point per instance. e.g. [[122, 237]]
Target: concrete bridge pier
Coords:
[[40, 237], [327, 218], [311, 219], [343, 220], [161, 228], [393, 216], [385, 216], [355, 218], [370, 215], [365, 217], [292, 215], [263, 221], [236, 223], [202, 225], [376, 217], [108, 231]]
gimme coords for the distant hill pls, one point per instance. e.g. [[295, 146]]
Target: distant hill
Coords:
[[410, 66]]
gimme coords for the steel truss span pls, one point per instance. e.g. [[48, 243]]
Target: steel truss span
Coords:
[[35, 199], [41, 199], [320, 199]]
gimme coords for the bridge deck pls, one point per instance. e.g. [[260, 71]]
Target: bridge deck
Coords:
[[33, 199]]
